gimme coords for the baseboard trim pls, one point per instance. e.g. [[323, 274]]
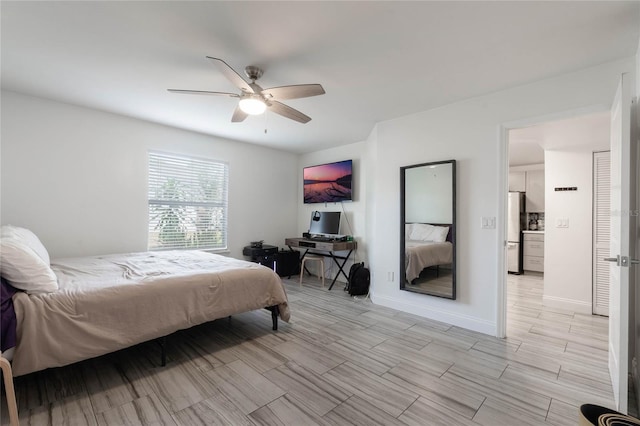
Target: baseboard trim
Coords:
[[464, 321], [567, 304]]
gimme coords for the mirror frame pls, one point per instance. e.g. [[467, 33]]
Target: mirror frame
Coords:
[[402, 274]]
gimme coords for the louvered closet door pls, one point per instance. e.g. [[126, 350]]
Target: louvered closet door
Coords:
[[601, 220]]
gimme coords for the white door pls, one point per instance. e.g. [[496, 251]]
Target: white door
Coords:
[[621, 163]]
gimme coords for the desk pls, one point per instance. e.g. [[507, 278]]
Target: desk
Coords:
[[324, 248]]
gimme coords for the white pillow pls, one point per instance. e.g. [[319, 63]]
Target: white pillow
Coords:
[[421, 232], [408, 227], [28, 238], [24, 269], [439, 234]]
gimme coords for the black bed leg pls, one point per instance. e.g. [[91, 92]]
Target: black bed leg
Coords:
[[163, 350], [274, 317]]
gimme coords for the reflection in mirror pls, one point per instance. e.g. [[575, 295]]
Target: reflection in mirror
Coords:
[[427, 237]]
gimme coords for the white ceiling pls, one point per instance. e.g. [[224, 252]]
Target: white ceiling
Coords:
[[587, 132], [376, 60]]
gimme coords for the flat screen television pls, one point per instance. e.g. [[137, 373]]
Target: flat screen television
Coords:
[[328, 183], [324, 223]]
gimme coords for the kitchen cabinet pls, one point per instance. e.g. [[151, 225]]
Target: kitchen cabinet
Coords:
[[533, 256], [535, 191], [517, 181]]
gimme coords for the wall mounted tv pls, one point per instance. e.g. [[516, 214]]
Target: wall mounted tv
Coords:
[[328, 183]]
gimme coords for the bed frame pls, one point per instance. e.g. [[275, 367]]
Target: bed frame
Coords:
[[162, 341]]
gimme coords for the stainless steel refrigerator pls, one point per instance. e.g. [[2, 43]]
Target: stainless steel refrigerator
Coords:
[[516, 220]]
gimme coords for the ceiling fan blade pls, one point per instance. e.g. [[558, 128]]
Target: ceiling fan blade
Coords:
[[295, 91], [231, 75], [203, 92], [287, 111], [238, 115]]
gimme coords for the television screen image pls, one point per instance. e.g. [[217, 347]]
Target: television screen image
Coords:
[[328, 183]]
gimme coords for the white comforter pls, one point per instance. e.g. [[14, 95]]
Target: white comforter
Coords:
[[106, 303]]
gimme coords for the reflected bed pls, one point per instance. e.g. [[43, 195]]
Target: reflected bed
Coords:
[[424, 254]]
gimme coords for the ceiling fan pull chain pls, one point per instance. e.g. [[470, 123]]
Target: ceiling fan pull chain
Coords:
[[265, 122]]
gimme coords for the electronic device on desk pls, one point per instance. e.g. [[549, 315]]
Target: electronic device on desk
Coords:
[[328, 239], [324, 226], [321, 238]]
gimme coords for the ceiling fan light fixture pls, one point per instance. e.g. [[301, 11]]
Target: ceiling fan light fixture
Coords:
[[252, 105], [254, 100]]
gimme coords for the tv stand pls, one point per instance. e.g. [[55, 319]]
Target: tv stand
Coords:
[[324, 248]]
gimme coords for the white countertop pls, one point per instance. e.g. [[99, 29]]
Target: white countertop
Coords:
[[533, 232]]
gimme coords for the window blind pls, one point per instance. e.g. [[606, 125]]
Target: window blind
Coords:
[[187, 202]]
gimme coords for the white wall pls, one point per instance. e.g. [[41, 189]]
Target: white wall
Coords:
[[353, 221], [469, 132], [568, 251], [78, 178]]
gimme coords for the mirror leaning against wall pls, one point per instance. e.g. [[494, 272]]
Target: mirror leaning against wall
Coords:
[[427, 235]]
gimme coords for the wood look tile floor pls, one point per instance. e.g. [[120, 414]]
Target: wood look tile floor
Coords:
[[341, 361], [434, 280]]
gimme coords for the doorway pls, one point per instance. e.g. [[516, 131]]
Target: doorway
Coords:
[[557, 233], [568, 221]]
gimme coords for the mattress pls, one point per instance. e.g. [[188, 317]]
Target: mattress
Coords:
[[423, 254], [107, 303]]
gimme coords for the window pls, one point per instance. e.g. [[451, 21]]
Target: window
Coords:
[[187, 202]]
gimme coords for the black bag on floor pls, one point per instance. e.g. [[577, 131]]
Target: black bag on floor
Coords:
[[359, 280]]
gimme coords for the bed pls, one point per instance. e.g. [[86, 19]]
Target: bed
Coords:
[[106, 303], [426, 245]]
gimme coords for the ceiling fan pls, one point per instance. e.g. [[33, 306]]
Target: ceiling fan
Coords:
[[254, 100]]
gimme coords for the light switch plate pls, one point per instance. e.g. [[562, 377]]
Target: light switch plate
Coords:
[[488, 222]]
